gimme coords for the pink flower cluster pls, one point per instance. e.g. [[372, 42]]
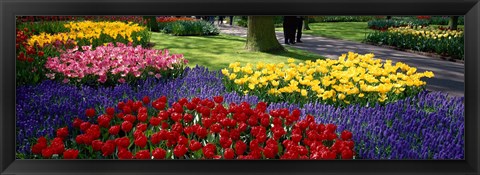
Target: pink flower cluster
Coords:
[[114, 60]]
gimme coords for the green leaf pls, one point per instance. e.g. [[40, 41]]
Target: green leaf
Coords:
[[36, 78], [198, 154], [169, 154], [210, 138], [280, 149]]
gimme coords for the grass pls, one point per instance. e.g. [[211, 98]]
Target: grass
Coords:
[[217, 52], [351, 31]]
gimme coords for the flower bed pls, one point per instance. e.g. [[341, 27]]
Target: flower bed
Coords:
[[190, 28], [444, 42], [196, 129], [427, 32], [50, 104], [110, 64], [95, 33], [406, 129], [45, 18], [126, 19], [352, 79], [384, 24], [426, 126], [31, 60], [204, 114], [165, 19]]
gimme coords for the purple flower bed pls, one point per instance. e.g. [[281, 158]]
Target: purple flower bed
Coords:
[[428, 126], [52, 104]]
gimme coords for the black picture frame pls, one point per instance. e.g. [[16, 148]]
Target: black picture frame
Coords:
[[11, 8]]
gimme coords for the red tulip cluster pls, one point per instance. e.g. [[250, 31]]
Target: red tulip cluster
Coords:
[[197, 129], [45, 18], [135, 19], [24, 51], [173, 19], [424, 17]]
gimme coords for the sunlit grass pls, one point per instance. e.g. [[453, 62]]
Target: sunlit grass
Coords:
[[217, 52], [351, 31]]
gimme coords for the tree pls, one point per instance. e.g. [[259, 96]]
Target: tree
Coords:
[[306, 22], [389, 17], [453, 23], [152, 23], [261, 34]]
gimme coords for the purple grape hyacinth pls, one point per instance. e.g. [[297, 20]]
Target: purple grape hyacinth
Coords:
[[427, 126]]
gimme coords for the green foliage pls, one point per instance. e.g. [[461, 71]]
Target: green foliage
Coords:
[[397, 21], [443, 20], [278, 21], [242, 21], [162, 25], [152, 23], [50, 27], [33, 72], [190, 28]]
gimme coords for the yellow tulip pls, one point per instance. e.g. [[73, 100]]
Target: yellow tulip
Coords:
[[304, 92], [429, 74], [251, 86], [225, 72], [341, 96], [233, 76]]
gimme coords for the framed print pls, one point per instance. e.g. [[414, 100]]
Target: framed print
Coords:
[[239, 87]]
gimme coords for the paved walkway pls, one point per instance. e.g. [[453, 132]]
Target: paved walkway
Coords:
[[449, 76]]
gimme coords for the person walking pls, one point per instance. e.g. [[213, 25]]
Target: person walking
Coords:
[[289, 25], [299, 27], [210, 19], [231, 20], [220, 19]]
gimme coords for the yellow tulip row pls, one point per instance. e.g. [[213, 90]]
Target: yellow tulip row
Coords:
[[351, 77], [90, 31], [427, 32]]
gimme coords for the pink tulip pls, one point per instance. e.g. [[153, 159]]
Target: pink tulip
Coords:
[[120, 59]]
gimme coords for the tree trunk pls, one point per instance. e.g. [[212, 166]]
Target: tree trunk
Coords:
[[453, 23], [152, 23], [305, 24], [261, 34]]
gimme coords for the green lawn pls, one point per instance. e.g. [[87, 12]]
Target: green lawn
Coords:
[[217, 52], [351, 31]]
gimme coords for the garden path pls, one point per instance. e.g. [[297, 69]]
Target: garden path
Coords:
[[449, 76]]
